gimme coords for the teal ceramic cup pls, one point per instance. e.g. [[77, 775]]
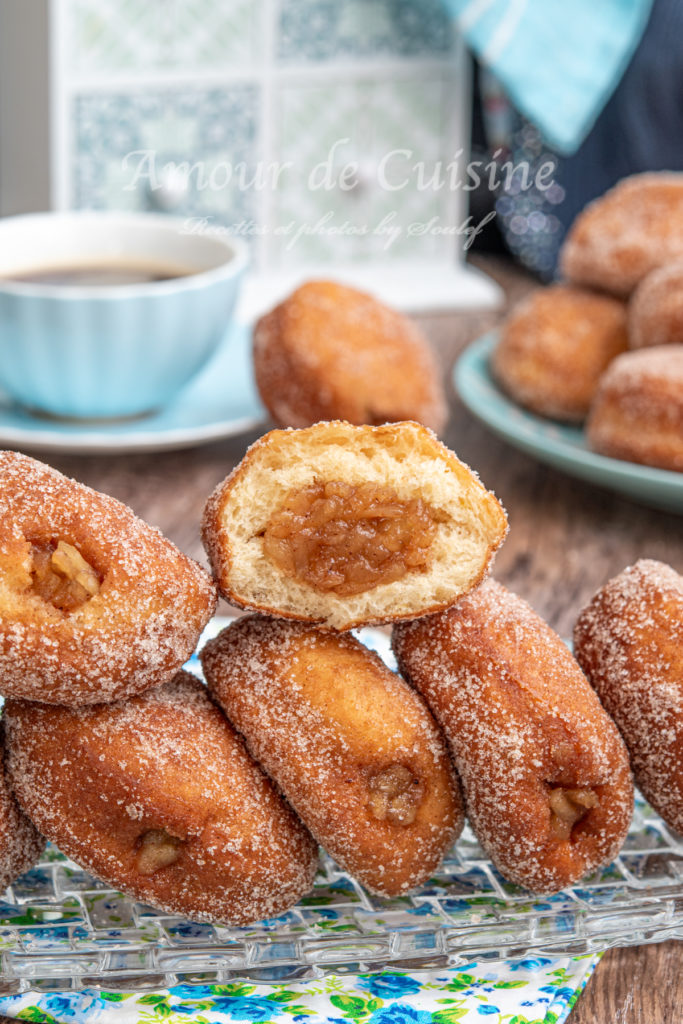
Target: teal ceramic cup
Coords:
[[110, 350]]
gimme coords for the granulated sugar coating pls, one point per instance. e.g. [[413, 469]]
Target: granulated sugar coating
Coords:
[[330, 352], [638, 409], [620, 237], [655, 312], [555, 345], [158, 797], [136, 604], [629, 641], [351, 746], [544, 772], [20, 844]]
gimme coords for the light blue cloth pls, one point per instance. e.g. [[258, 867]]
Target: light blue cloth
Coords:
[[558, 60]]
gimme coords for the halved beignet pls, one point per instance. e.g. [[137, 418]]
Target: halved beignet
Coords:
[[352, 747], [350, 525], [544, 772], [158, 797], [94, 603]]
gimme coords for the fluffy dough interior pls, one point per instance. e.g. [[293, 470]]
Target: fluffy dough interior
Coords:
[[410, 461]]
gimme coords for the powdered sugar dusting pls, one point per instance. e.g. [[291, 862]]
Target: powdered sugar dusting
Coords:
[[520, 718], [629, 640]]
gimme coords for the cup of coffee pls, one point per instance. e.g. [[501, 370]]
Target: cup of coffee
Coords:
[[107, 315]]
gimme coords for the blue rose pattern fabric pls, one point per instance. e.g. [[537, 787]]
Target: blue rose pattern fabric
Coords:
[[532, 991]]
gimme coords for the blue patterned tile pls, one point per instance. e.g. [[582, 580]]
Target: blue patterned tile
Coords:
[[319, 30], [215, 128], [108, 37]]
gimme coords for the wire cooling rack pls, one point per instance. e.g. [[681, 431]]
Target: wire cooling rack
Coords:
[[61, 928]]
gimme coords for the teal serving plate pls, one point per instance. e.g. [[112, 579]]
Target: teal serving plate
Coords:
[[561, 446]]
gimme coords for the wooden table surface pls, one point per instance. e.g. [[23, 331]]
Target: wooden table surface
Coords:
[[566, 538]]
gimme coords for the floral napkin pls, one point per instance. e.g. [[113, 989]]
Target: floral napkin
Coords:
[[532, 991]]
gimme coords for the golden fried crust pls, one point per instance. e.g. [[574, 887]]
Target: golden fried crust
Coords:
[[554, 347], [655, 313], [330, 352], [99, 780], [621, 237], [405, 456], [525, 728], [352, 747], [637, 414], [629, 642], [135, 632], [20, 843]]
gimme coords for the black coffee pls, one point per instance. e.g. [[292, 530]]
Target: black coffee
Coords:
[[98, 275]]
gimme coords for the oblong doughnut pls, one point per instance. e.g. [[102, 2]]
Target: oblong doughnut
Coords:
[[554, 347], [629, 642], [330, 352], [158, 797], [544, 771], [620, 237], [349, 525], [20, 844], [655, 312], [94, 604], [637, 412], [351, 746]]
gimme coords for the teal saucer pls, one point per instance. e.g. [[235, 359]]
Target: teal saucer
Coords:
[[553, 443], [220, 401]]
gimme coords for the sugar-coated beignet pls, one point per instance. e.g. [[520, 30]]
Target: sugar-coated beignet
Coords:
[[637, 413], [620, 237], [331, 352], [158, 797], [348, 525], [95, 605], [351, 746], [545, 774], [555, 345], [655, 312], [629, 642], [20, 844]]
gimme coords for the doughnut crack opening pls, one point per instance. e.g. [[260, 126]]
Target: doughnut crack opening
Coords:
[[395, 794], [348, 538], [156, 849], [568, 807], [61, 576]]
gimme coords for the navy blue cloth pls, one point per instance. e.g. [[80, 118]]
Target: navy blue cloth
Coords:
[[641, 128]]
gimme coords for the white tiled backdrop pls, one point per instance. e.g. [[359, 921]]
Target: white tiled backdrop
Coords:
[[228, 81]]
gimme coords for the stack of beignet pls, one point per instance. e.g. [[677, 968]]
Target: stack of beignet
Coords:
[[114, 754], [210, 802], [605, 347]]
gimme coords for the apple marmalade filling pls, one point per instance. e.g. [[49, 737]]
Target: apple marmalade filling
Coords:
[[61, 576], [156, 849], [347, 538], [395, 794], [568, 807]]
